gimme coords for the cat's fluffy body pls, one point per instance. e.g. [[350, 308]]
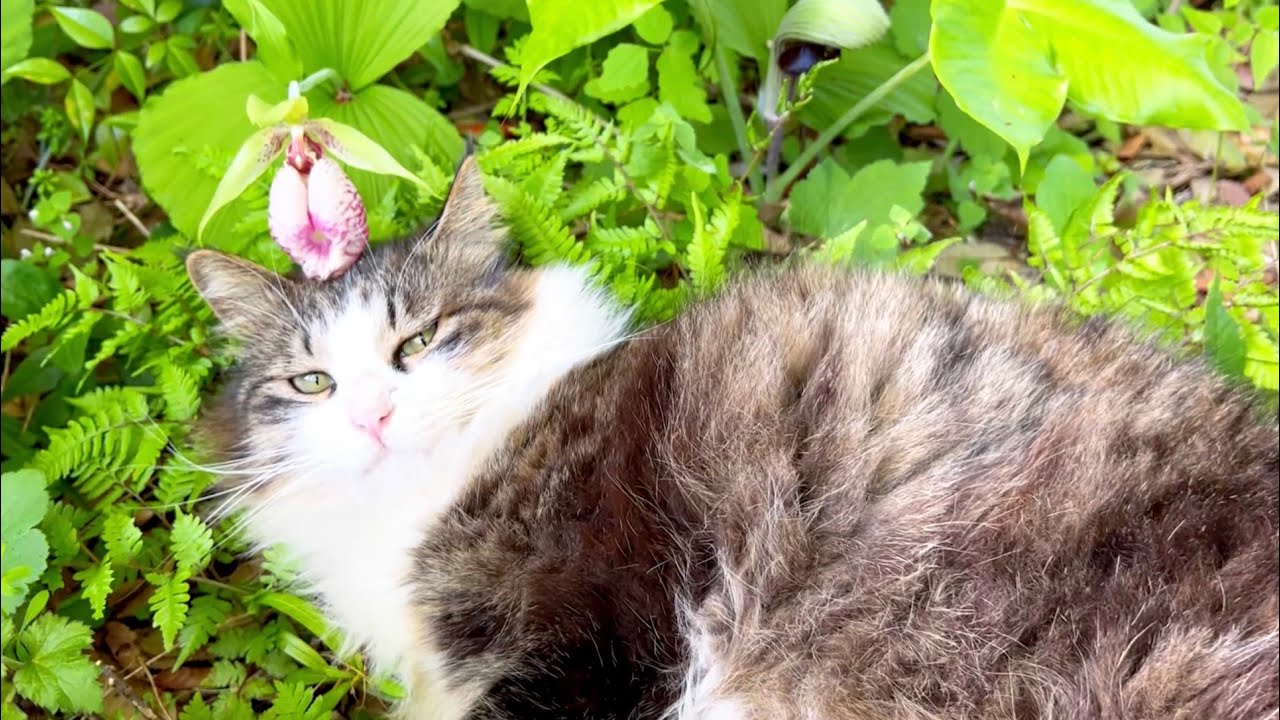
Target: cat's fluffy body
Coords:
[[818, 495]]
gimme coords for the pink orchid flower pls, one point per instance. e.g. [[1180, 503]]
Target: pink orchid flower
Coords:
[[315, 213]]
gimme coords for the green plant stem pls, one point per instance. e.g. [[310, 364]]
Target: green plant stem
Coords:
[[775, 191], [730, 94], [316, 78]]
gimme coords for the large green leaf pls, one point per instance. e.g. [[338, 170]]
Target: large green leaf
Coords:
[[1011, 64], [829, 202], [25, 549], [200, 115], [562, 25], [15, 31], [397, 121], [858, 72], [268, 33], [745, 26], [361, 40]]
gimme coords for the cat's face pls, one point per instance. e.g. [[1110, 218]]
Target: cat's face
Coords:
[[378, 366]]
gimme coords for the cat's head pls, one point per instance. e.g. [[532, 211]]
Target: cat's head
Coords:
[[422, 344]]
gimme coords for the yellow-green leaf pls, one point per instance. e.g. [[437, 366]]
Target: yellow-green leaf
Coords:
[[264, 114], [38, 70], [87, 28], [356, 149], [129, 68], [253, 159], [559, 26], [15, 32], [79, 106], [1011, 65]]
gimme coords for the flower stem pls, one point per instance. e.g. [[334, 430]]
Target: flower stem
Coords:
[[730, 93], [313, 80], [775, 191]]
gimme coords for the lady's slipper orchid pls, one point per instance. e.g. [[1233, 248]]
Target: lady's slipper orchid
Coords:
[[314, 211], [317, 217]]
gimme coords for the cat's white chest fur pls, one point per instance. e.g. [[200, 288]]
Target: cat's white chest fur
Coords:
[[353, 544], [354, 537]]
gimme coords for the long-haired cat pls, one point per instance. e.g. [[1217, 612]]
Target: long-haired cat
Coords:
[[818, 495]]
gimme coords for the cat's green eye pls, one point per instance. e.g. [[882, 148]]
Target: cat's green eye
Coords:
[[311, 383], [416, 344]]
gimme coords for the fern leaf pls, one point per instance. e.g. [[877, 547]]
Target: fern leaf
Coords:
[[180, 391], [515, 157], [539, 231], [706, 252], [122, 537], [588, 196], [191, 543], [206, 613], [53, 314], [95, 585], [169, 604]]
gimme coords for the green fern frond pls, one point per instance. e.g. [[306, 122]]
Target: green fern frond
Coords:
[[180, 391], [632, 243], [109, 449], [124, 282], [706, 252], [204, 616], [538, 230], [590, 134], [546, 181], [191, 543], [586, 197], [169, 604], [517, 157], [95, 585], [57, 311]]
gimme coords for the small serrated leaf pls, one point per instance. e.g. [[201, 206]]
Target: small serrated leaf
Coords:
[[191, 543], [169, 604]]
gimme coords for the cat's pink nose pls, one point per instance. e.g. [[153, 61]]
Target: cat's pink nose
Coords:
[[373, 421]]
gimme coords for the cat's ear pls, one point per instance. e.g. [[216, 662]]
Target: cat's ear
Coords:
[[241, 294], [470, 225]]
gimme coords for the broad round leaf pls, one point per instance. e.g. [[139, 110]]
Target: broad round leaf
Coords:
[[88, 28], [193, 118], [744, 26], [843, 83], [559, 26], [38, 70], [397, 121], [360, 40], [15, 31], [1011, 66]]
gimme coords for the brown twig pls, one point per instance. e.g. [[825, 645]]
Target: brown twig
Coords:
[[133, 219], [50, 237]]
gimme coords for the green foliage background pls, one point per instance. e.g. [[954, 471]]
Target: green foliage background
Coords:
[[658, 142]]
